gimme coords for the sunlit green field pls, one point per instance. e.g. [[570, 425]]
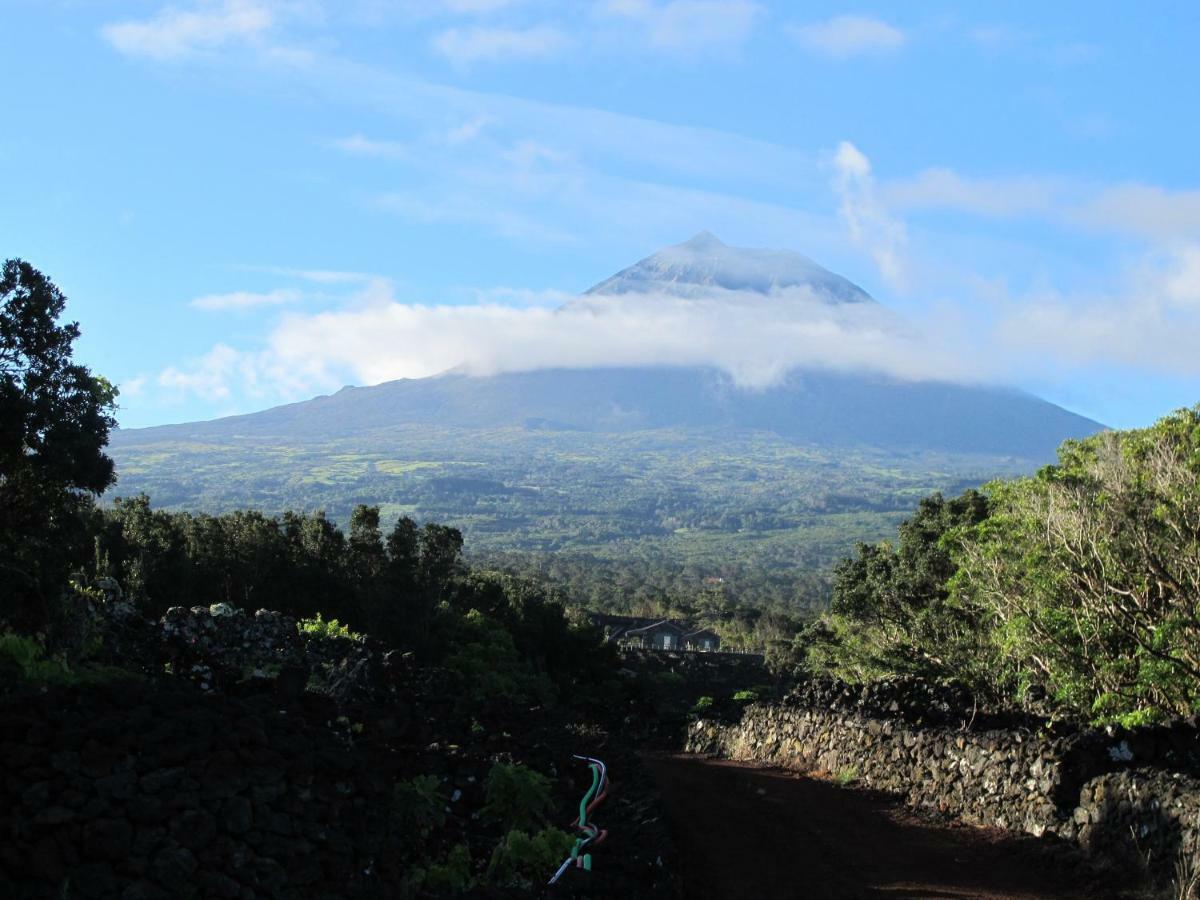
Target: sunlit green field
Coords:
[[735, 506]]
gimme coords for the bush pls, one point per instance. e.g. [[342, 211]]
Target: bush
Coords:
[[745, 696], [26, 659], [517, 796], [420, 806], [451, 876], [702, 703], [318, 628], [522, 860]]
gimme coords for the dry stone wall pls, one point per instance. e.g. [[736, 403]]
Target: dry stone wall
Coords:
[[142, 792], [1118, 792]]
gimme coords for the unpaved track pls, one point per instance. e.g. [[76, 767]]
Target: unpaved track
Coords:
[[749, 832]]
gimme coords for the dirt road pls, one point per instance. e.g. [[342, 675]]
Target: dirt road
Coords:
[[757, 833]]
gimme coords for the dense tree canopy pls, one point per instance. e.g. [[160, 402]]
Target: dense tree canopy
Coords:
[[55, 417], [1080, 584]]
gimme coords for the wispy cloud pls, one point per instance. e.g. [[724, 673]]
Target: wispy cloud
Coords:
[[843, 37], [1149, 212], [240, 300], [359, 145], [175, 33], [689, 26], [870, 224], [464, 47], [1143, 210], [942, 188]]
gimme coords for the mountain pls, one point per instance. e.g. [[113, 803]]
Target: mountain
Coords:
[[809, 407], [696, 267], [666, 469]]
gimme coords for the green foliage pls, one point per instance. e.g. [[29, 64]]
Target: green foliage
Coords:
[[490, 669], [1082, 581], [619, 520], [25, 658], [892, 611], [524, 860], [846, 775], [55, 417], [517, 796], [745, 696], [451, 876], [702, 703], [419, 805], [1090, 573], [318, 627]]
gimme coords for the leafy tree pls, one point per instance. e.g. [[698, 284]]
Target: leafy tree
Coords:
[[55, 416], [1091, 573], [892, 611]]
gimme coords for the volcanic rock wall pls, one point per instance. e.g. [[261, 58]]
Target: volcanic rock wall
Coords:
[[1115, 791], [126, 790]]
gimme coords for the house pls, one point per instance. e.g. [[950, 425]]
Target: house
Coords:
[[655, 634], [702, 639]]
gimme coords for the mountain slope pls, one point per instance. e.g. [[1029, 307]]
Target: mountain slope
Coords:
[[665, 478], [817, 408]]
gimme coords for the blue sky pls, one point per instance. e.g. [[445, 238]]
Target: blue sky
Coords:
[[254, 201]]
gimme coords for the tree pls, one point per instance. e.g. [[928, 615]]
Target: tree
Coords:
[[55, 417], [892, 611], [1091, 572]]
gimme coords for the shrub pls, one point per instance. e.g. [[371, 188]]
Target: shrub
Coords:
[[420, 806], [450, 876], [26, 658], [703, 703], [317, 628], [745, 696], [524, 860], [517, 796]]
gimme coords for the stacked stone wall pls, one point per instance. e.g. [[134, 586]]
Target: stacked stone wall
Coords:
[[1123, 793]]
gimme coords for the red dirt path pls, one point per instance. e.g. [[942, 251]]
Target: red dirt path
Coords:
[[750, 832]]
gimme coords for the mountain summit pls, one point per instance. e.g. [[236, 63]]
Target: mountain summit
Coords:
[[696, 267], [629, 462]]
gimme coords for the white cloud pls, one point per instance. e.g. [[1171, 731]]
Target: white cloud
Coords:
[[1143, 210], [243, 300], [1150, 212], [1151, 323], [214, 376], [843, 37], [358, 145], [175, 33], [478, 7], [941, 188], [134, 387], [465, 46], [757, 340], [870, 224], [689, 25]]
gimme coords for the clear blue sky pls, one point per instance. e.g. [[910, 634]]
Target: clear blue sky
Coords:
[[226, 188]]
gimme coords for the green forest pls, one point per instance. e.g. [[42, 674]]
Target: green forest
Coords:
[[624, 518]]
